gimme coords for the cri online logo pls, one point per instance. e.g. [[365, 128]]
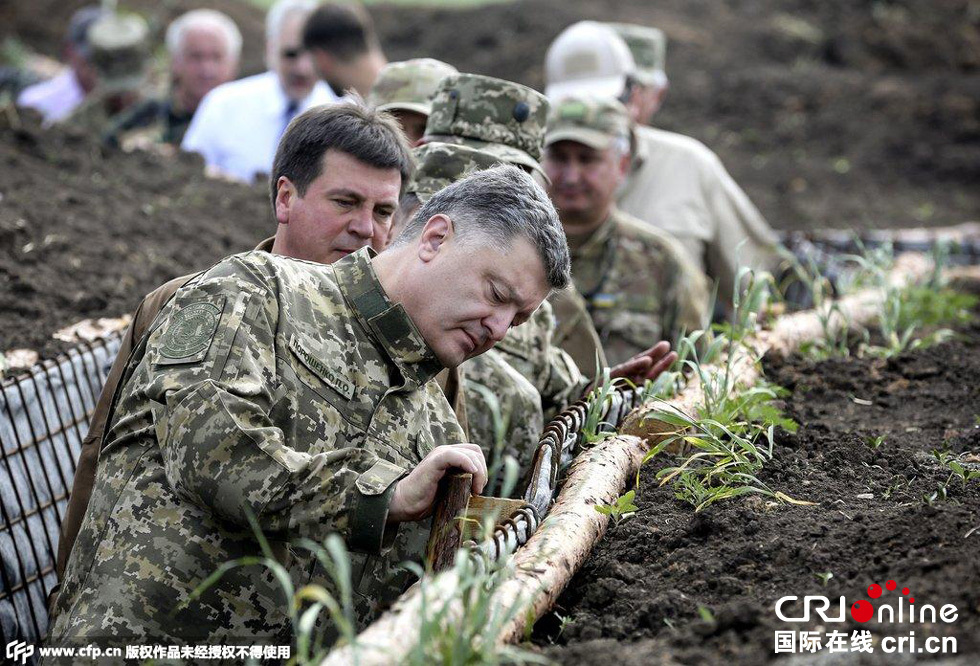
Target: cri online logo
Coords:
[[863, 610]]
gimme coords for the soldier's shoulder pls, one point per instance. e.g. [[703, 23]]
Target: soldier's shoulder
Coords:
[[677, 145], [647, 237]]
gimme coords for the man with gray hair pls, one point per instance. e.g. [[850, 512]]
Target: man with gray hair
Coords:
[[204, 47], [237, 126], [299, 397]]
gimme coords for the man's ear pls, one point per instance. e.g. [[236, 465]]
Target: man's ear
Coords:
[[285, 195], [438, 230], [624, 164]]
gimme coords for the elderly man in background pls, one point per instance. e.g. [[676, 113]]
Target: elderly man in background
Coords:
[[675, 183], [344, 46], [405, 90], [56, 98], [204, 46], [237, 126], [637, 281]]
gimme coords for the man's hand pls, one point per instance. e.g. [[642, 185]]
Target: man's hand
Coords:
[[415, 494], [645, 365]]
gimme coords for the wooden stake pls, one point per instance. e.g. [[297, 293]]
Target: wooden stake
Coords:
[[446, 535]]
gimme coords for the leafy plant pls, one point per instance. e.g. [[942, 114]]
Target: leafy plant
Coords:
[[874, 443], [965, 475], [824, 578], [620, 510], [595, 429]]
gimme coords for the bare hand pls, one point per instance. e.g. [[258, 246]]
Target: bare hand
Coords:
[[646, 365], [415, 494]]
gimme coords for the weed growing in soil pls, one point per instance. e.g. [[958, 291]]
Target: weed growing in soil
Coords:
[[620, 510], [595, 429]]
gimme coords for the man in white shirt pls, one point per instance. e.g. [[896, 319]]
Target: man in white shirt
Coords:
[[56, 98], [676, 183], [237, 126]]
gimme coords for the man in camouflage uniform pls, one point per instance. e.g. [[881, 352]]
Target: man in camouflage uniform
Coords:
[[508, 120], [299, 395], [405, 89], [204, 47], [369, 170], [502, 408], [675, 183], [637, 281]]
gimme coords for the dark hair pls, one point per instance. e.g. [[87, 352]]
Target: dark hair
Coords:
[[371, 136], [344, 31]]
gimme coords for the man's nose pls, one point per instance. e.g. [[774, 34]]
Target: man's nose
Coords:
[[361, 224], [499, 322]]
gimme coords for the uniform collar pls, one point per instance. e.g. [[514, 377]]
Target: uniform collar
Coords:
[[595, 244], [387, 322], [266, 245]]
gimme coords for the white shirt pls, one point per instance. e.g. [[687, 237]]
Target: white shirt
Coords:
[[679, 185], [237, 126], [55, 98]]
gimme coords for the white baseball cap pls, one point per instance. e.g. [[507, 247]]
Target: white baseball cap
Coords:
[[587, 58]]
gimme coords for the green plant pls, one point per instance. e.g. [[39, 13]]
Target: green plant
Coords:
[[595, 429], [620, 510], [824, 578], [874, 443], [965, 475], [464, 628]]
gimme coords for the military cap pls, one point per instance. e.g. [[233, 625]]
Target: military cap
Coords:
[[587, 58], [648, 47], [119, 50], [409, 85], [493, 115], [442, 164], [595, 121]]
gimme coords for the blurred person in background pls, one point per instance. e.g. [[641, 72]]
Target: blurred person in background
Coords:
[[56, 98], [237, 126], [345, 47], [674, 183], [405, 90], [204, 47]]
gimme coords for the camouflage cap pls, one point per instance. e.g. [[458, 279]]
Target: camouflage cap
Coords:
[[409, 85], [442, 164], [119, 50], [595, 121], [496, 116], [649, 49]]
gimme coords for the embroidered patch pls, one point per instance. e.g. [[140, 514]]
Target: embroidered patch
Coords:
[[330, 377], [190, 330]]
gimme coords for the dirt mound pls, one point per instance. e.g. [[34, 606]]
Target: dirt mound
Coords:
[[86, 233], [638, 598], [858, 114]]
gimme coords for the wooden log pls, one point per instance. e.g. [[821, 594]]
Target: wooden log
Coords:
[[446, 534], [546, 564]]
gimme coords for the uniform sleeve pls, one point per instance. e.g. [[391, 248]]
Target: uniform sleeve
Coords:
[[219, 421], [687, 299], [742, 235]]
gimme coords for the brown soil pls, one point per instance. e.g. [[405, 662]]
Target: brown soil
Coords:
[[636, 601], [829, 114]]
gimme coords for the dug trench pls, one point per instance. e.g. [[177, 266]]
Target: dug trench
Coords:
[[673, 586]]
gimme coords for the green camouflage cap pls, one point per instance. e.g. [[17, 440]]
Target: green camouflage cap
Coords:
[[442, 164], [496, 116], [595, 121], [648, 47], [119, 50], [409, 85]]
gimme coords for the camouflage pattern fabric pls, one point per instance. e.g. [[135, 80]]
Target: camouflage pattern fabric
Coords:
[[648, 46], [593, 121], [639, 285], [531, 350], [291, 391], [409, 85], [151, 121], [574, 331], [515, 428], [497, 116], [441, 164]]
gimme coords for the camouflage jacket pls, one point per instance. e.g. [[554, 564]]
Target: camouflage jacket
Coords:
[[531, 350], [639, 285], [503, 410], [290, 391]]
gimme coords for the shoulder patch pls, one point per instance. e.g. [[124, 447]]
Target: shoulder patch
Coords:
[[190, 330], [327, 375]]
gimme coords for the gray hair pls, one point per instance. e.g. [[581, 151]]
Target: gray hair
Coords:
[[203, 18], [278, 13], [494, 205]]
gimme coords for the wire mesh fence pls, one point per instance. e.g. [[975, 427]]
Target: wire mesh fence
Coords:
[[44, 416]]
